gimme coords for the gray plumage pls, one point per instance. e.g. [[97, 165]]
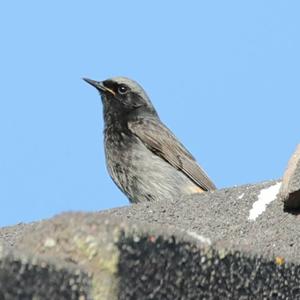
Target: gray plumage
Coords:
[[143, 157]]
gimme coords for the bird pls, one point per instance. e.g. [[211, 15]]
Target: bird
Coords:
[[143, 157]]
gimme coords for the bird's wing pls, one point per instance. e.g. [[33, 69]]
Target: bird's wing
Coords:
[[160, 140]]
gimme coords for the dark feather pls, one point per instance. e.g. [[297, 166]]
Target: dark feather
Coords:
[[160, 140]]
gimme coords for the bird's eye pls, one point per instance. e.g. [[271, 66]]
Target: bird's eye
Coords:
[[122, 89]]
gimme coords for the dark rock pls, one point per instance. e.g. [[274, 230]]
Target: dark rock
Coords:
[[290, 189]]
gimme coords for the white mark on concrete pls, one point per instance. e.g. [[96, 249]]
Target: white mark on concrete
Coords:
[[265, 197], [199, 237], [49, 242], [241, 196]]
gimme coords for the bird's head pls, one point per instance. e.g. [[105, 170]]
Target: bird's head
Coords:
[[121, 96]]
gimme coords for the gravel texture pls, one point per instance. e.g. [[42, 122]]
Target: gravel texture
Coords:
[[235, 243]]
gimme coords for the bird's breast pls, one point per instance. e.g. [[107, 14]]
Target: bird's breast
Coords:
[[119, 149]]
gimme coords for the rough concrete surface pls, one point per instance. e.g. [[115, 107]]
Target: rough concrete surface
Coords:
[[235, 243], [27, 277], [223, 218]]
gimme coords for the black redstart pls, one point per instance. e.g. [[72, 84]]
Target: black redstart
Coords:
[[143, 157]]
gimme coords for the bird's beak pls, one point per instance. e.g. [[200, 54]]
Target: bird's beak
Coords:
[[99, 86]]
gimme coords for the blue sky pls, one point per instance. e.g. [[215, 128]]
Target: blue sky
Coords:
[[223, 75]]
